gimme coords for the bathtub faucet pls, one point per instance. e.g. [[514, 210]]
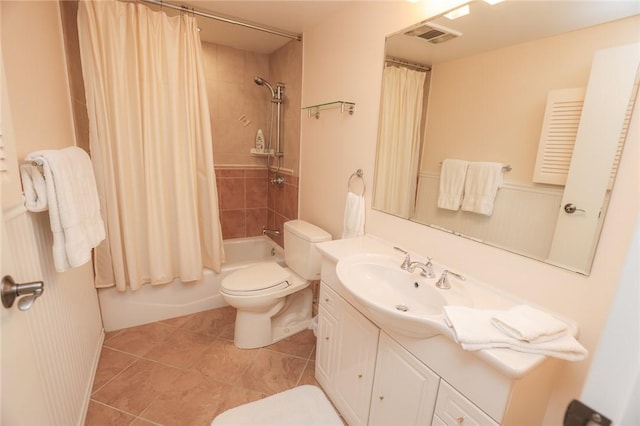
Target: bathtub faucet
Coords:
[[272, 232]]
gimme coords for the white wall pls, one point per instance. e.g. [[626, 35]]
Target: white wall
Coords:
[[343, 61]]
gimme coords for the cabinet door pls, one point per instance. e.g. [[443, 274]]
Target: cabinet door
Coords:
[[404, 390], [355, 363], [326, 348]]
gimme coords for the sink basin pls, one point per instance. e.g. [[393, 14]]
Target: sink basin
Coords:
[[404, 302]]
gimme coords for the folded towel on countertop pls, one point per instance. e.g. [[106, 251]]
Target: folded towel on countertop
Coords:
[[34, 188], [74, 207], [525, 323], [474, 330], [452, 177], [353, 225], [481, 187]]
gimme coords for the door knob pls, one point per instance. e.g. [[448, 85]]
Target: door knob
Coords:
[[11, 291], [571, 209]]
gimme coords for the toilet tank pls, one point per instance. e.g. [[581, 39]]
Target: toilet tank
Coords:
[[300, 252]]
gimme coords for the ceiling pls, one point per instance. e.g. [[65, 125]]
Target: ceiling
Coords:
[[293, 16], [504, 24]]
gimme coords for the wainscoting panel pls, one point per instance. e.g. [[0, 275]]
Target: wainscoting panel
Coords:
[[62, 332], [523, 219]]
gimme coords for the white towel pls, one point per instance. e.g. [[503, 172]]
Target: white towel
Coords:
[[74, 208], [353, 225], [525, 323], [452, 177], [481, 187], [474, 331], [34, 188]]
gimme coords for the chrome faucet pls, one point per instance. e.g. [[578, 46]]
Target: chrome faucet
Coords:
[[443, 281], [272, 232], [427, 268], [408, 265]]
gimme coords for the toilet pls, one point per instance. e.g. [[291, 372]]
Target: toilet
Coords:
[[274, 301]]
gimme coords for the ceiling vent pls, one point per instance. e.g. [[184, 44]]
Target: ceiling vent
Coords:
[[433, 33]]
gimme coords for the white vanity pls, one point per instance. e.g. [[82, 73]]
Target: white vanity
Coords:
[[376, 375]]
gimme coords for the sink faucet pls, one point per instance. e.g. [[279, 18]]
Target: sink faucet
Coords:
[[427, 268], [408, 265], [443, 281]]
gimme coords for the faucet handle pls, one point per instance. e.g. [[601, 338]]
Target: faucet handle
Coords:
[[443, 281], [406, 263]]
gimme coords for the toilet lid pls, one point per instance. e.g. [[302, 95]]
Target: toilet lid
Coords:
[[257, 277]]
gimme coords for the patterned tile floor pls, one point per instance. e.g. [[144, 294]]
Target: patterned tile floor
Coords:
[[186, 370]]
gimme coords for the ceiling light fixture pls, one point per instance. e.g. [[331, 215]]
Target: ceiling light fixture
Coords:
[[456, 13], [492, 2]]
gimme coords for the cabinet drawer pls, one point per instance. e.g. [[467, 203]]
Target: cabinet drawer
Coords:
[[453, 409], [329, 299]]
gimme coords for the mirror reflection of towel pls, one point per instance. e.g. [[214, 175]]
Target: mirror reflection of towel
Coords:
[[353, 216], [481, 187], [452, 176]]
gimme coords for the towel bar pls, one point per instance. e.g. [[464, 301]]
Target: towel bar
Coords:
[[357, 174]]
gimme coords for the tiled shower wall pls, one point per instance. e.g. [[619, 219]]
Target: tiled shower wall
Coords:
[[248, 201], [238, 108]]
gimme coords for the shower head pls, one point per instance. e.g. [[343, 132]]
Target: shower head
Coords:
[[262, 82]]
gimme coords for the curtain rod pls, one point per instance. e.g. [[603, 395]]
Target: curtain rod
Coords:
[[407, 64], [232, 21]]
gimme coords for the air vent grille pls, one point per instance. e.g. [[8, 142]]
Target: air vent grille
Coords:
[[433, 33]]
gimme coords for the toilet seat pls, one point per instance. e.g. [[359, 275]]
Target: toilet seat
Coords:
[[259, 278]]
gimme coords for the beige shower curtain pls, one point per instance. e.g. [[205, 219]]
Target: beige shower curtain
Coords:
[[150, 140], [399, 140]]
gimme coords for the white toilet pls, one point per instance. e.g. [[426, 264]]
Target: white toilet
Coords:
[[272, 301]]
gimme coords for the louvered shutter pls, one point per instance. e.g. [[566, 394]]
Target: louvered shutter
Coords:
[[558, 136]]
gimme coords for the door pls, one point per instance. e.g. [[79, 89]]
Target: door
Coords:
[[611, 85], [23, 398]]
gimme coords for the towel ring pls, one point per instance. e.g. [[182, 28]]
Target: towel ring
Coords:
[[357, 174]]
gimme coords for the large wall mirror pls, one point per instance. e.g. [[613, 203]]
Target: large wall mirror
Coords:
[[532, 100]]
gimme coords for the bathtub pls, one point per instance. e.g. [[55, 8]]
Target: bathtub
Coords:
[[160, 302]]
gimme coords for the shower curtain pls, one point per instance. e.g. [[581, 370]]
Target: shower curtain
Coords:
[[150, 141], [399, 139]]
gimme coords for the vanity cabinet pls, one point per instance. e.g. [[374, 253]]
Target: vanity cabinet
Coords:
[[377, 377]]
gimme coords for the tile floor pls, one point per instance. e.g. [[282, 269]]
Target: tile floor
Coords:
[[184, 371]]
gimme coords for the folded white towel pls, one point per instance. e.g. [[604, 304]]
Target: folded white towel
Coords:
[[34, 188], [481, 187], [474, 331], [452, 177], [74, 208], [353, 225], [525, 323]]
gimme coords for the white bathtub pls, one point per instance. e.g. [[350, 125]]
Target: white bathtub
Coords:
[[155, 303]]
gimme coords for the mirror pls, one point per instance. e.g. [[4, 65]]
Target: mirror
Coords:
[[483, 94]]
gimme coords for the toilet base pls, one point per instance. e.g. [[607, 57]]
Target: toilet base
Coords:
[[256, 330]]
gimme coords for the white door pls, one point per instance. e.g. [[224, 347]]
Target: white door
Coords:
[[23, 398], [611, 85]]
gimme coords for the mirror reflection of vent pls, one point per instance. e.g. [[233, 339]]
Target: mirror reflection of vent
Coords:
[[433, 33]]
